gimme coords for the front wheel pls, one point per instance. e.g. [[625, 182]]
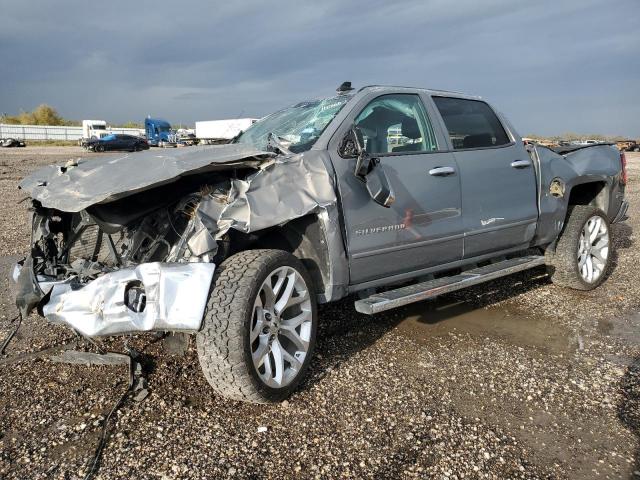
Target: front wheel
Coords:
[[259, 326], [582, 255]]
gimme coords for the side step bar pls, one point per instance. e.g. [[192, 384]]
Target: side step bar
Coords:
[[379, 302]]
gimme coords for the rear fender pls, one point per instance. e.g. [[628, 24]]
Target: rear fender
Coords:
[[589, 176]]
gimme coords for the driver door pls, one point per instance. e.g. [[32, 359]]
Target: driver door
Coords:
[[423, 227]]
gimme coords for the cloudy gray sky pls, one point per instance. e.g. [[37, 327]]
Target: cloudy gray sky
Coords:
[[550, 66]]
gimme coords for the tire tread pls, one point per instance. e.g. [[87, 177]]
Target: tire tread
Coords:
[[220, 343], [562, 263]]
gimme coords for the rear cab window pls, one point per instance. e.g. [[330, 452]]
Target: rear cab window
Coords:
[[471, 123]]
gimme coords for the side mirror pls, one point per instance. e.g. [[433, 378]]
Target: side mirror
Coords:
[[351, 145], [367, 169], [379, 187]]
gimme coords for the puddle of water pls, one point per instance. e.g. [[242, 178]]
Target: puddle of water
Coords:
[[625, 329], [442, 317]]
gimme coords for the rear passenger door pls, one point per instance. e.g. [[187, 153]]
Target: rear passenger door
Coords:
[[498, 183]]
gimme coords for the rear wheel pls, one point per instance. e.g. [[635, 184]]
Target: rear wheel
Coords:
[[259, 327], [582, 256], [99, 148]]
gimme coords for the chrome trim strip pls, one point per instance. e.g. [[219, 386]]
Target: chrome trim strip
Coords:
[[500, 227], [406, 246]]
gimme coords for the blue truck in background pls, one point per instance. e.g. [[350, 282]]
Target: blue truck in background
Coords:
[[159, 132]]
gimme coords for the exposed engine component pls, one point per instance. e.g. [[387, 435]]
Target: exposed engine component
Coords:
[[85, 246]]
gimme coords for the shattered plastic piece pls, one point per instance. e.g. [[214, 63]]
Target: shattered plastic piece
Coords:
[[140, 390], [141, 395]]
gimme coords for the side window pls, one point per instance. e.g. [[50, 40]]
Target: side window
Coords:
[[471, 123], [395, 124]]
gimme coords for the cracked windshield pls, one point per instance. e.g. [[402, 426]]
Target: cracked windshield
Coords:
[[297, 127]]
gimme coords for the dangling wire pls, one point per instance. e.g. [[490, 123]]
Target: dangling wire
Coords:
[[13, 332], [95, 462]]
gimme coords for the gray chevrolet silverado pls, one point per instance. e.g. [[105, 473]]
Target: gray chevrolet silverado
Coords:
[[393, 194]]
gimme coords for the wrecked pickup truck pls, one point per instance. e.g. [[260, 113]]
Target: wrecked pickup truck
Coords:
[[394, 194]]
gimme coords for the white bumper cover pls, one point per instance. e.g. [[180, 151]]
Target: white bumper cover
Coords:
[[176, 296]]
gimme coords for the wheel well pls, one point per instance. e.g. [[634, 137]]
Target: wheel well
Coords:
[[303, 237], [593, 193]]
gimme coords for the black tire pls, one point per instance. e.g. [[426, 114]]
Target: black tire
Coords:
[[224, 347], [99, 148], [563, 264]]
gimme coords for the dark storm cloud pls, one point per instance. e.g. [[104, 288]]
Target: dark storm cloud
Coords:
[[550, 66]]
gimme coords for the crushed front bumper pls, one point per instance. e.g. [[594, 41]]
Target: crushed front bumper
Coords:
[[170, 297]]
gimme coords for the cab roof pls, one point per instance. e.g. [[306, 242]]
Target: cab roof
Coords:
[[429, 91]]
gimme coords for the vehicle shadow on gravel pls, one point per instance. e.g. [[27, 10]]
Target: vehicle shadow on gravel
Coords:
[[629, 407], [622, 234], [343, 332]]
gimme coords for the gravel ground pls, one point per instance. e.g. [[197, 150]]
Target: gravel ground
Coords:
[[513, 379]]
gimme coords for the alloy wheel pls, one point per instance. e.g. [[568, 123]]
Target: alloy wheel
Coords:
[[593, 249], [281, 327]]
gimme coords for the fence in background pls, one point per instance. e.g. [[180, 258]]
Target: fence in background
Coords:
[[51, 132]]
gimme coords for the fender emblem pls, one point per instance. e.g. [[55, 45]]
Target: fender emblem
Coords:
[[385, 228]]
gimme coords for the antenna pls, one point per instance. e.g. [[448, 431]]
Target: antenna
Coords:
[[344, 88]]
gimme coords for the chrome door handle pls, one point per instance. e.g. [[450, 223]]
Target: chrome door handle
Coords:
[[521, 164], [442, 171]]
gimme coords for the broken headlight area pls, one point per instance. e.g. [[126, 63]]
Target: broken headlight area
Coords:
[[124, 266], [106, 238]]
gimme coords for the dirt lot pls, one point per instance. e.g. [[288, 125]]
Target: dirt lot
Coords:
[[513, 379]]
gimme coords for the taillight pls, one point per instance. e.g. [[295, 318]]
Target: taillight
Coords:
[[623, 163]]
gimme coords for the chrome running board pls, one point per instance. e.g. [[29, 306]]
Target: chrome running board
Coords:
[[379, 302]]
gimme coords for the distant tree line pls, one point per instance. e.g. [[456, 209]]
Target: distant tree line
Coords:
[[47, 115], [41, 115]]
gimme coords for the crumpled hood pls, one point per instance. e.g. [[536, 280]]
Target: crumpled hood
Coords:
[[104, 179]]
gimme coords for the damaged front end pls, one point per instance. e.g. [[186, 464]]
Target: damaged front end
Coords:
[[106, 270], [124, 245]]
